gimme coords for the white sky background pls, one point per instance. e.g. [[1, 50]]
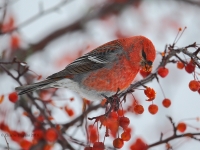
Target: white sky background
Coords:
[[159, 21]]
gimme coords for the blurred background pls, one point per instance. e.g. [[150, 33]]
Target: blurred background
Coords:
[[49, 34]]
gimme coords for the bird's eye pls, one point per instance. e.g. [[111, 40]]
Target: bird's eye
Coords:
[[149, 63], [144, 54]]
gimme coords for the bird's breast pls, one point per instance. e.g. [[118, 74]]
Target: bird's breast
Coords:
[[119, 74]]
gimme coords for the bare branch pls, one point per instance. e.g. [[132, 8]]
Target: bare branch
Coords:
[[173, 137], [71, 123], [37, 16]]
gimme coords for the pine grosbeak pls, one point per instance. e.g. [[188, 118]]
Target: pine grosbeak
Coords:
[[102, 71]]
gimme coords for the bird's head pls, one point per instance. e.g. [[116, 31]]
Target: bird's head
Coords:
[[146, 65], [147, 55], [140, 51]]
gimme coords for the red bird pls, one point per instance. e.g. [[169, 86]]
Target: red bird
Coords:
[[102, 71]]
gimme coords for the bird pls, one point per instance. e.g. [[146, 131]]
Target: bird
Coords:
[[103, 71]]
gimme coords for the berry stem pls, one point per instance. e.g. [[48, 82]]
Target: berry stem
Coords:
[[161, 89]]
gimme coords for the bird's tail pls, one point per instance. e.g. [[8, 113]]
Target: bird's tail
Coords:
[[35, 86]]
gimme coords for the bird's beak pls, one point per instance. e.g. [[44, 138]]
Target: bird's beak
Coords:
[[146, 66]]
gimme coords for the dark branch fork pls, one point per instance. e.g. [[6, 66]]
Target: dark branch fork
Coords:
[[62, 139]]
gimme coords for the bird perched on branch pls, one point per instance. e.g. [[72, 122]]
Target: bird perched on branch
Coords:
[[102, 71]]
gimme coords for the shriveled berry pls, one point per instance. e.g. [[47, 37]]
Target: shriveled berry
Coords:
[[150, 93]]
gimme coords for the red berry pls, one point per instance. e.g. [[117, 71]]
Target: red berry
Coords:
[[139, 109], [38, 134], [128, 130], [113, 115], [118, 143], [153, 109], [126, 136], [190, 68], [194, 85], [4, 127], [88, 148], [103, 120], [25, 144], [166, 102], [163, 72], [15, 42], [113, 126], [48, 146], [139, 144], [199, 91], [120, 112], [93, 134], [98, 146], [13, 97], [181, 127], [180, 65], [144, 74], [124, 122], [51, 135]]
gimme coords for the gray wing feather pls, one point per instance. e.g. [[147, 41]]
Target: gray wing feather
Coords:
[[93, 60], [98, 59], [35, 86]]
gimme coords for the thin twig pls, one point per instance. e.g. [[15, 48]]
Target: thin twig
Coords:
[[40, 14], [7, 143]]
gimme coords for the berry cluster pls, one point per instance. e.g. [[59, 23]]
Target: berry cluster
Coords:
[[49, 135], [153, 108], [151, 94], [194, 85], [112, 123]]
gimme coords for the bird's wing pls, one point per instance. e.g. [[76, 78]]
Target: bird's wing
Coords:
[[93, 60]]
